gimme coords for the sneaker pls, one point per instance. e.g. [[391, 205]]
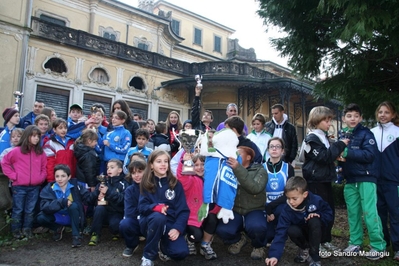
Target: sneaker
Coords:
[[57, 235], [87, 230], [258, 253], [17, 234], [352, 249], [207, 251], [115, 237], [162, 256], [236, 247], [141, 238], [94, 239], [330, 247], [191, 247], [396, 255], [315, 263], [303, 255], [374, 254], [268, 245], [128, 252], [27, 232], [76, 241], [323, 252], [146, 262], [40, 230]]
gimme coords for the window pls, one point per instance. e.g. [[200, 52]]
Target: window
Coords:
[[218, 44], [56, 65], [138, 108], [142, 46], [53, 20], [176, 26], [197, 36], [164, 112], [89, 100], [110, 36], [55, 98], [99, 75], [137, 83], [109, 33], [142, 43]]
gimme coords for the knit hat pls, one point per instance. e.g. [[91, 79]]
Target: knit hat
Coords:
[[8, 113]]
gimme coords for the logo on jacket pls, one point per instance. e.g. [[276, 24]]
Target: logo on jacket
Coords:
[[372, 142], [390, 138], [170, 194], [116, 139], [312, 208]]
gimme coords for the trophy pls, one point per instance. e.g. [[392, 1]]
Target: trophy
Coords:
[[188, 140], [344, 134], [18, 95], [198, 78], [102, 179]]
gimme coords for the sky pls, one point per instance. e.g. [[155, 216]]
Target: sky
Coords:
[[239, 15]]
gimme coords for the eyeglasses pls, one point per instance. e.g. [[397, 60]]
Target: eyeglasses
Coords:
[[275, 147]]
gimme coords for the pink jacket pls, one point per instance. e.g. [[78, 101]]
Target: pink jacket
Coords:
[[24, 169], [193, 186]]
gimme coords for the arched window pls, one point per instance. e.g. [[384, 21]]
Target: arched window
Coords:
[[55, 65], [99, 75], [137, 83]]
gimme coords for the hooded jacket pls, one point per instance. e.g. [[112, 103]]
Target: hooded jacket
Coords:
[[88, 164]]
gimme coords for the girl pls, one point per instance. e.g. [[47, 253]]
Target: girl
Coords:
[[59, 149], [163, 211], [11, 121], [319, 167], [130, 124], [16, 135], [386, 134], [50, 113], [117, 142], [173, 123], [197, 231], [259, 135], [129, 227], [25, 166], [97, 126], [278, 173]]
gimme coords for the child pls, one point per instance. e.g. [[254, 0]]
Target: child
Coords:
[[11, 120], [161, 140], [259, 135], [43, 123], [303, 219], [16, 135], [129, 227], [62, 204], [112, 191], [142, 137], [98, 116], [387, 137], [59, 149], [173, 124], [150, 126], [188, 124], [76, 121], [118, 141], [319, 168], [163, 211], [197, 231], [25, 166], [278, 173]]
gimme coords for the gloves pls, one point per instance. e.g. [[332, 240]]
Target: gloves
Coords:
[[225, 215], [203, 211]]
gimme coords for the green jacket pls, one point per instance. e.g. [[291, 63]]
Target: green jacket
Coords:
[[251, 193]]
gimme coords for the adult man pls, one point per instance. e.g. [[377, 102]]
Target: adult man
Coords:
[[29, 119], [137, 117], [207, 118], [280, 127], [231, 110]]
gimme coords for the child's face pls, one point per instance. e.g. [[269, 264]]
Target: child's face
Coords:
[[15, 119], [92, 143], [113, 169], [295, 197], [53, 116], [246, 158], [384, 115], [34, 139], [141, 141], [61, 178], [150, 126], [275, 149], [135, 158], [173, 119], [257, 126], [199, 168], [351, 119], [137, 175], [116, 121], [160, 166], [61, 130], [75, 114], [324, 124], [15, 137], [43, 126], [188, 126], [98, 117]]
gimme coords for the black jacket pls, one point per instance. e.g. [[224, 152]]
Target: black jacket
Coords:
[[289, 137], [195, 115], [88, 164]]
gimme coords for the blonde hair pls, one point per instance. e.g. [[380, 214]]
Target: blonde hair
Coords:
[[318, 114], [260, 117]]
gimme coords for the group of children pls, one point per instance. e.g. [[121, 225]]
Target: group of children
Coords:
[[139, 196]]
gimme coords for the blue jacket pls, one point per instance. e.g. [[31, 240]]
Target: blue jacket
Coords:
[[5, 137], [132, 194], [119, 143], [288, 217], [145, 151], [178, 211], [75, 129], [361, 156], [387, 138], [27, 120]]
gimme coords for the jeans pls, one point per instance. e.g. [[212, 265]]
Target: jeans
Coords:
[[24, 200]]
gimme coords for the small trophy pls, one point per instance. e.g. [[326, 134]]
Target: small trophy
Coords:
[[18, 95], [102, 179], [188, 139], [198, 78], [344, 134]]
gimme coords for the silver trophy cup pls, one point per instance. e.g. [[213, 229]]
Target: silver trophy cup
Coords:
[[188, 140]]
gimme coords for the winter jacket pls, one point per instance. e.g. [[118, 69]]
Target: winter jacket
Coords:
[[119, 143], [251, 194], [260, 139], [290, 216], [243, 141], [59, 152], [145, 151], [27, 120], [319, 162], [24, 169], [361, 156], [178, 211], [161, 141], [387, 138], [130, 126], [195, 115], [75, 128], [131, 201], [289, 136], [88, 164]]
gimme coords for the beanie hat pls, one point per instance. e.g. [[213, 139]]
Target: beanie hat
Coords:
[[8, 113]]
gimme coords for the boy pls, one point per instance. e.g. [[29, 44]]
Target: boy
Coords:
[[76, 121], [11, 120], [359, 163], [43, 123], [160, 139], [303, 219], [142, 137]]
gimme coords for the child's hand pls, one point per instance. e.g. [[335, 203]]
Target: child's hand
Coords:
[[162, 208], [346, 141], [103, 189], [270, 217], [311, 215], [271, 261], [101, 196], [173, 234], [187, 157], [106, 142], [232, 162], [69, 203]]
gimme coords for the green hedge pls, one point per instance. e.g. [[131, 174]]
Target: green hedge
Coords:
[[338, 190]]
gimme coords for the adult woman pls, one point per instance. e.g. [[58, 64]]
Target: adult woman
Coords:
[[173, 123]]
